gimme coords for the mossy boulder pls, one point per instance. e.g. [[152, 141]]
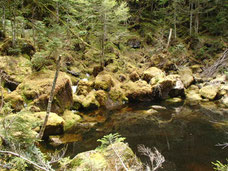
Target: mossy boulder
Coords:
[[36, 90], [186, 76], [153, 72], [101, 97], [162, 87], [103, 81], [16, 101], [88, 102], [84, 87], [178, 86], [117, 94], [134, 76], [137, 91], [209, 91], [70, 119], [105, 159], [15, 70], [54, 125]]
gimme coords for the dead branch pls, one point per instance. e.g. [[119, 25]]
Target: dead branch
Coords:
[[57, 157], [1, 105], [156, 158], [224, 145], [221, 62], [41, 133], [117, 154], [24, 158], [5, 166]]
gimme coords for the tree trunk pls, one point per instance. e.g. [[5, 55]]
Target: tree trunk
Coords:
[[13, 25], [197, 18], [4, 19], [57, 12], [1, 105], [41, 133], [33, 27], [103, 40], [175, 19], [170, 35], [191, 14]]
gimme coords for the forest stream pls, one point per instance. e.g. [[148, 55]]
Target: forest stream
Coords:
[[187, 136]]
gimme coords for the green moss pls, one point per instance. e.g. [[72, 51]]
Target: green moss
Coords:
[[76, 162], [70, 119]]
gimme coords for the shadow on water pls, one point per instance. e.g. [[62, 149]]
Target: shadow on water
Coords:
[[186, 136]]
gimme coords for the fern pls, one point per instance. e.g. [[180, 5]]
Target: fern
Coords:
[[110, 139]]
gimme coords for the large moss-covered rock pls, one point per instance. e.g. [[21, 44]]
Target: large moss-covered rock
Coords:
[[186, 76], [89, 101], [209, 91], [103, 81], [178, 86], [162, 87], [106, 159], [137, 91], [153, 72], [36, 89], [54, 125], [14, 70], [84, 87], [70, 119], [16, 101]]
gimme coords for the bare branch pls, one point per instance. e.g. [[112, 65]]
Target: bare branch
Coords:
[[221, 62], [156, 158], [1, 105], [117, 154], [56, 158], [224, 145], [24, 158], [5, 166]]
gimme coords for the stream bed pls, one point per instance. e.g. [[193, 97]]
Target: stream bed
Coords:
[[187, 136]]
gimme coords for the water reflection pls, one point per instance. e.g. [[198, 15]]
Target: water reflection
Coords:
[[186, 136]]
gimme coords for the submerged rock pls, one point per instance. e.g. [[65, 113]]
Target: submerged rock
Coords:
[[192, 95]]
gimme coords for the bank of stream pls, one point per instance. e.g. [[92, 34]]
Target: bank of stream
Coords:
[[187, 136]]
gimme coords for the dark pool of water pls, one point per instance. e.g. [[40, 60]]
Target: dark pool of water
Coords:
[[186, 136]]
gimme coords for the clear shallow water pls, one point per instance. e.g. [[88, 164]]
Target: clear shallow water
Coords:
[[186, 136]]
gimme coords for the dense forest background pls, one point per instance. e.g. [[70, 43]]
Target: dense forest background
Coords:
[[142, 47], [199, 27]]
